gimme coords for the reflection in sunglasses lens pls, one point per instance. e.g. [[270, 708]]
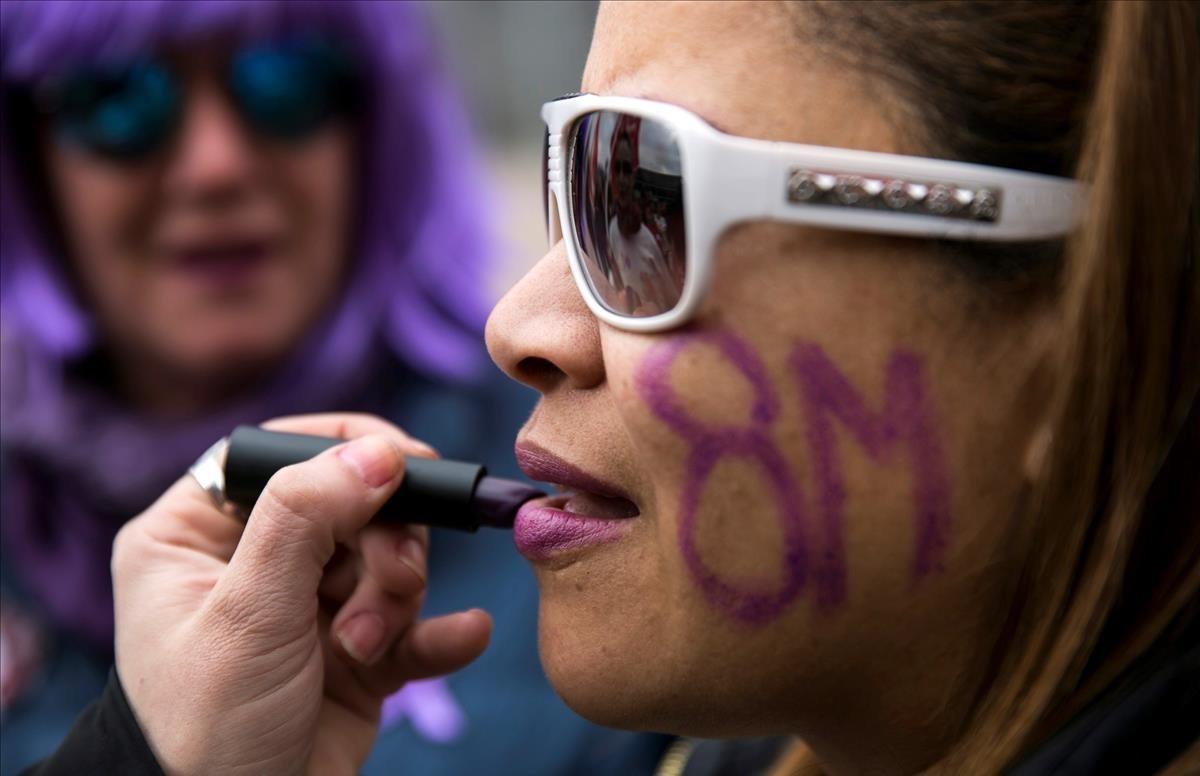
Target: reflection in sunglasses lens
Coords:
[[626, 192]]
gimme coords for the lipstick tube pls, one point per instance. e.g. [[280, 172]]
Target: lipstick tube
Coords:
[[434, 492]]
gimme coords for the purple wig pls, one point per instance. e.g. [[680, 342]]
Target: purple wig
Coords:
[[78, 462]]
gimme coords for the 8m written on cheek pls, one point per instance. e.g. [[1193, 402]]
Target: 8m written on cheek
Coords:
[[824, 393]]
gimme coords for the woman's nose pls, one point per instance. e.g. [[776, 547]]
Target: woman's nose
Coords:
[[212, 158], [543, 334]]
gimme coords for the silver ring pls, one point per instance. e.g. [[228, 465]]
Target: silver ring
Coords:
[[209, 473]]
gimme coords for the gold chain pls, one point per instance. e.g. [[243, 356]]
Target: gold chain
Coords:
[[676, 758]]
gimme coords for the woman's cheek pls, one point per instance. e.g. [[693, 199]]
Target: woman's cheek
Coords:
[[775, 456]]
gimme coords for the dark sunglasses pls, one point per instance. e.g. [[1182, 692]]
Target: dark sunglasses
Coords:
[[641, 191], [284, 90]]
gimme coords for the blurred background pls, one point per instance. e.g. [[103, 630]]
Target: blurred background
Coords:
[[219, 212], [508, 58]]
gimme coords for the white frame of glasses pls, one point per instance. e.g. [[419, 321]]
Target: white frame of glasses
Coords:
[[730, 180]]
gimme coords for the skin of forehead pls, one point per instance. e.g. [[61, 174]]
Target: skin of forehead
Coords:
[[735, 64]]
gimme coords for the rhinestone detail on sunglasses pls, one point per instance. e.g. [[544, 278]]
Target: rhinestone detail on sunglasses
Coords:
[[945, 200]]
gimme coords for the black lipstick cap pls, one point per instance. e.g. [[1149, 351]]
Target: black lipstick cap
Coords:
[[434, 492]]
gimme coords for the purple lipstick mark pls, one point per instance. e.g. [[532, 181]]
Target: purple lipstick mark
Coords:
[[711, 443], [905, 419], [825, 393]]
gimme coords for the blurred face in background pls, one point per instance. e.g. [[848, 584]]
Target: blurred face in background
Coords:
[[207, 250]]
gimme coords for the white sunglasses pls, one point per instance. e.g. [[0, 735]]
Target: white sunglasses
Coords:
[[642, 190]]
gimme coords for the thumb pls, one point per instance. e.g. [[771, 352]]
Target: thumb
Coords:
[[304, 511]]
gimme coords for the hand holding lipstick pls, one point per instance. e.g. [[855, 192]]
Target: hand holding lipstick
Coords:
[[275, 643]]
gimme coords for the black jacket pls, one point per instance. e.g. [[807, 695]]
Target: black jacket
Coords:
[[1148, 719]]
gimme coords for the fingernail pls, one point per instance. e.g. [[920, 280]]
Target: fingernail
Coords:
[[425, 448], [377, 460], [362, 637], [412, 554]]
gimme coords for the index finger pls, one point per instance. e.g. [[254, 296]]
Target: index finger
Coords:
[[348, 425], [185, 516]]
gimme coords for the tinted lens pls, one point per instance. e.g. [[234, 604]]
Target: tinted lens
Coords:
[[288, 90], [123, 113], [626, 190]]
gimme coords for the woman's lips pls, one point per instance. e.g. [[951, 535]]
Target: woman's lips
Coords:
[[227, 264], [544, 528], [590, 511], [542, 465]]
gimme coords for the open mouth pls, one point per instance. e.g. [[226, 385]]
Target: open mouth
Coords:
[[588, 511], [226, 253], [587, 504], [582, 493], [227, 261]]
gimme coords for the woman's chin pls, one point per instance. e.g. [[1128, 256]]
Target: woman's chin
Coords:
[[595, 683], [620, 684], [626, 648], [599, 660], [213, 367], [228, 363]]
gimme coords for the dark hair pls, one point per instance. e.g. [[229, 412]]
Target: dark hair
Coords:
[[1108, 93]]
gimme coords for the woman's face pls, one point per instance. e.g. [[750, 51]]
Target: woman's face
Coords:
[[213, 255], [825, 464]]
